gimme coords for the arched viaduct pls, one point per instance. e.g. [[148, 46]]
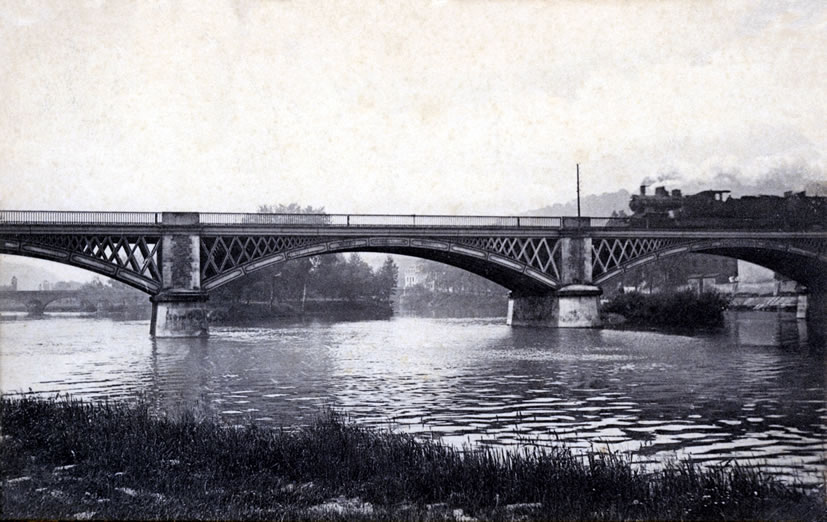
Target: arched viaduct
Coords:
[[553, 266], [36, 301]]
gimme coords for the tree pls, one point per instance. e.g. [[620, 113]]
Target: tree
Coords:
[[325, 278], [356, 278], [292, 208], [385, 280]]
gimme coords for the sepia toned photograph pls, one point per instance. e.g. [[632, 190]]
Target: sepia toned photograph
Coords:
[[445, 260]]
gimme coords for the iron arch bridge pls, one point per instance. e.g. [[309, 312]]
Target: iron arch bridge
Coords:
[[178, 257]]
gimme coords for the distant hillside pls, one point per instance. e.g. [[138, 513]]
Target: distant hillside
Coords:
[[28, 276], [592, 205]]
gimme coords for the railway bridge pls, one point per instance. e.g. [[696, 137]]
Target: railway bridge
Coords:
[[553, 266]]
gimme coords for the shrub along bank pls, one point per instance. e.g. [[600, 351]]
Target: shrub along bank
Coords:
[[680, 310], [65, 458]]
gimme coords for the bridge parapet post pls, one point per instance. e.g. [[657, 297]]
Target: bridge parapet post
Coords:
[[571, 222], [179, 310]]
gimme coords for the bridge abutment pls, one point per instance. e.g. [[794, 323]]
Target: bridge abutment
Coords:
[[180, 309]]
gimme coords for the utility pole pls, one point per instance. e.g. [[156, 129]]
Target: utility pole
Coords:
[[578, 191]]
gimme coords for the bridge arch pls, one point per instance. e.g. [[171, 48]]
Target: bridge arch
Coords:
[[803, 261], [129, 259], [528, 266]]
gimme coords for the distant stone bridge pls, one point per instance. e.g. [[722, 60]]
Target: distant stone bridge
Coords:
[[36, 301], [553, 266]]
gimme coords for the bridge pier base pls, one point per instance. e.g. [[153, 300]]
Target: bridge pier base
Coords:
[[179, 314], [573, 306]]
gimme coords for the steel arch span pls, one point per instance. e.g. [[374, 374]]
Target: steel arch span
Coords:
[[802, 260], [132, 259], [521, 264]]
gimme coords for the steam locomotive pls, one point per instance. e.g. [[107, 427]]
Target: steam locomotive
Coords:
[[715, 208]]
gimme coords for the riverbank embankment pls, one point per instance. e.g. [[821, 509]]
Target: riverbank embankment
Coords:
[[71, 459]]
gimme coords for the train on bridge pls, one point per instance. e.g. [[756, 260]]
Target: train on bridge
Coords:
[[711, 208]]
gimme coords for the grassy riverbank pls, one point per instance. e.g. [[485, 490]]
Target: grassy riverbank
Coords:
[[64, 459], [675, 310]]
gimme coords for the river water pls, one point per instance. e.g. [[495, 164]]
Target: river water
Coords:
[[754, 392]]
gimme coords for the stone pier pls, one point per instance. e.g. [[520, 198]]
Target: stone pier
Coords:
[[179, 314], [179, 310], [574, 305]]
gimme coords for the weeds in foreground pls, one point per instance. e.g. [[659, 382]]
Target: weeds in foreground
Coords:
[[121, 461]]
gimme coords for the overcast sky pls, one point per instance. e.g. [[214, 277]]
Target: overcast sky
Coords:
[[467, 106], [435, 107]]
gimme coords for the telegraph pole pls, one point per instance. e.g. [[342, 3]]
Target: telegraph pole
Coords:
[[578, 191]]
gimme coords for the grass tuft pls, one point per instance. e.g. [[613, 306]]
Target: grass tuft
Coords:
[[121, 461]]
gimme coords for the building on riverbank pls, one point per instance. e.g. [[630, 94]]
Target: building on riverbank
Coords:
[[696, 271]]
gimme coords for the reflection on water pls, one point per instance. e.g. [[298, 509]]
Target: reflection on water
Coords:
[[755, 391]]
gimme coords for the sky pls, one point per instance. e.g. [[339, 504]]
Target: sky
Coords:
[[448, 106], [468, 106]]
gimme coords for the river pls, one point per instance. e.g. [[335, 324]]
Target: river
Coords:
[[753, 393]]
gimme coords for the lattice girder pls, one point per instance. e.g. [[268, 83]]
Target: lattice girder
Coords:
[[129, 258], [220, 254], [612, 253], [540, 253], [225, 257]]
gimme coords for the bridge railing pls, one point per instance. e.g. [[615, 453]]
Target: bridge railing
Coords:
[[52, 217], [363, 220], [598, 222], [47, 217]]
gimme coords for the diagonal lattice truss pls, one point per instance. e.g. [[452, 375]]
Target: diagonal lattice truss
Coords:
[[540, 253], [610, 254], [114, 254], [222, 253]]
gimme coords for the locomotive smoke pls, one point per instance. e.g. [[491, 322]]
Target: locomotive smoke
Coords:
[[662, 177], [775, 182]]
